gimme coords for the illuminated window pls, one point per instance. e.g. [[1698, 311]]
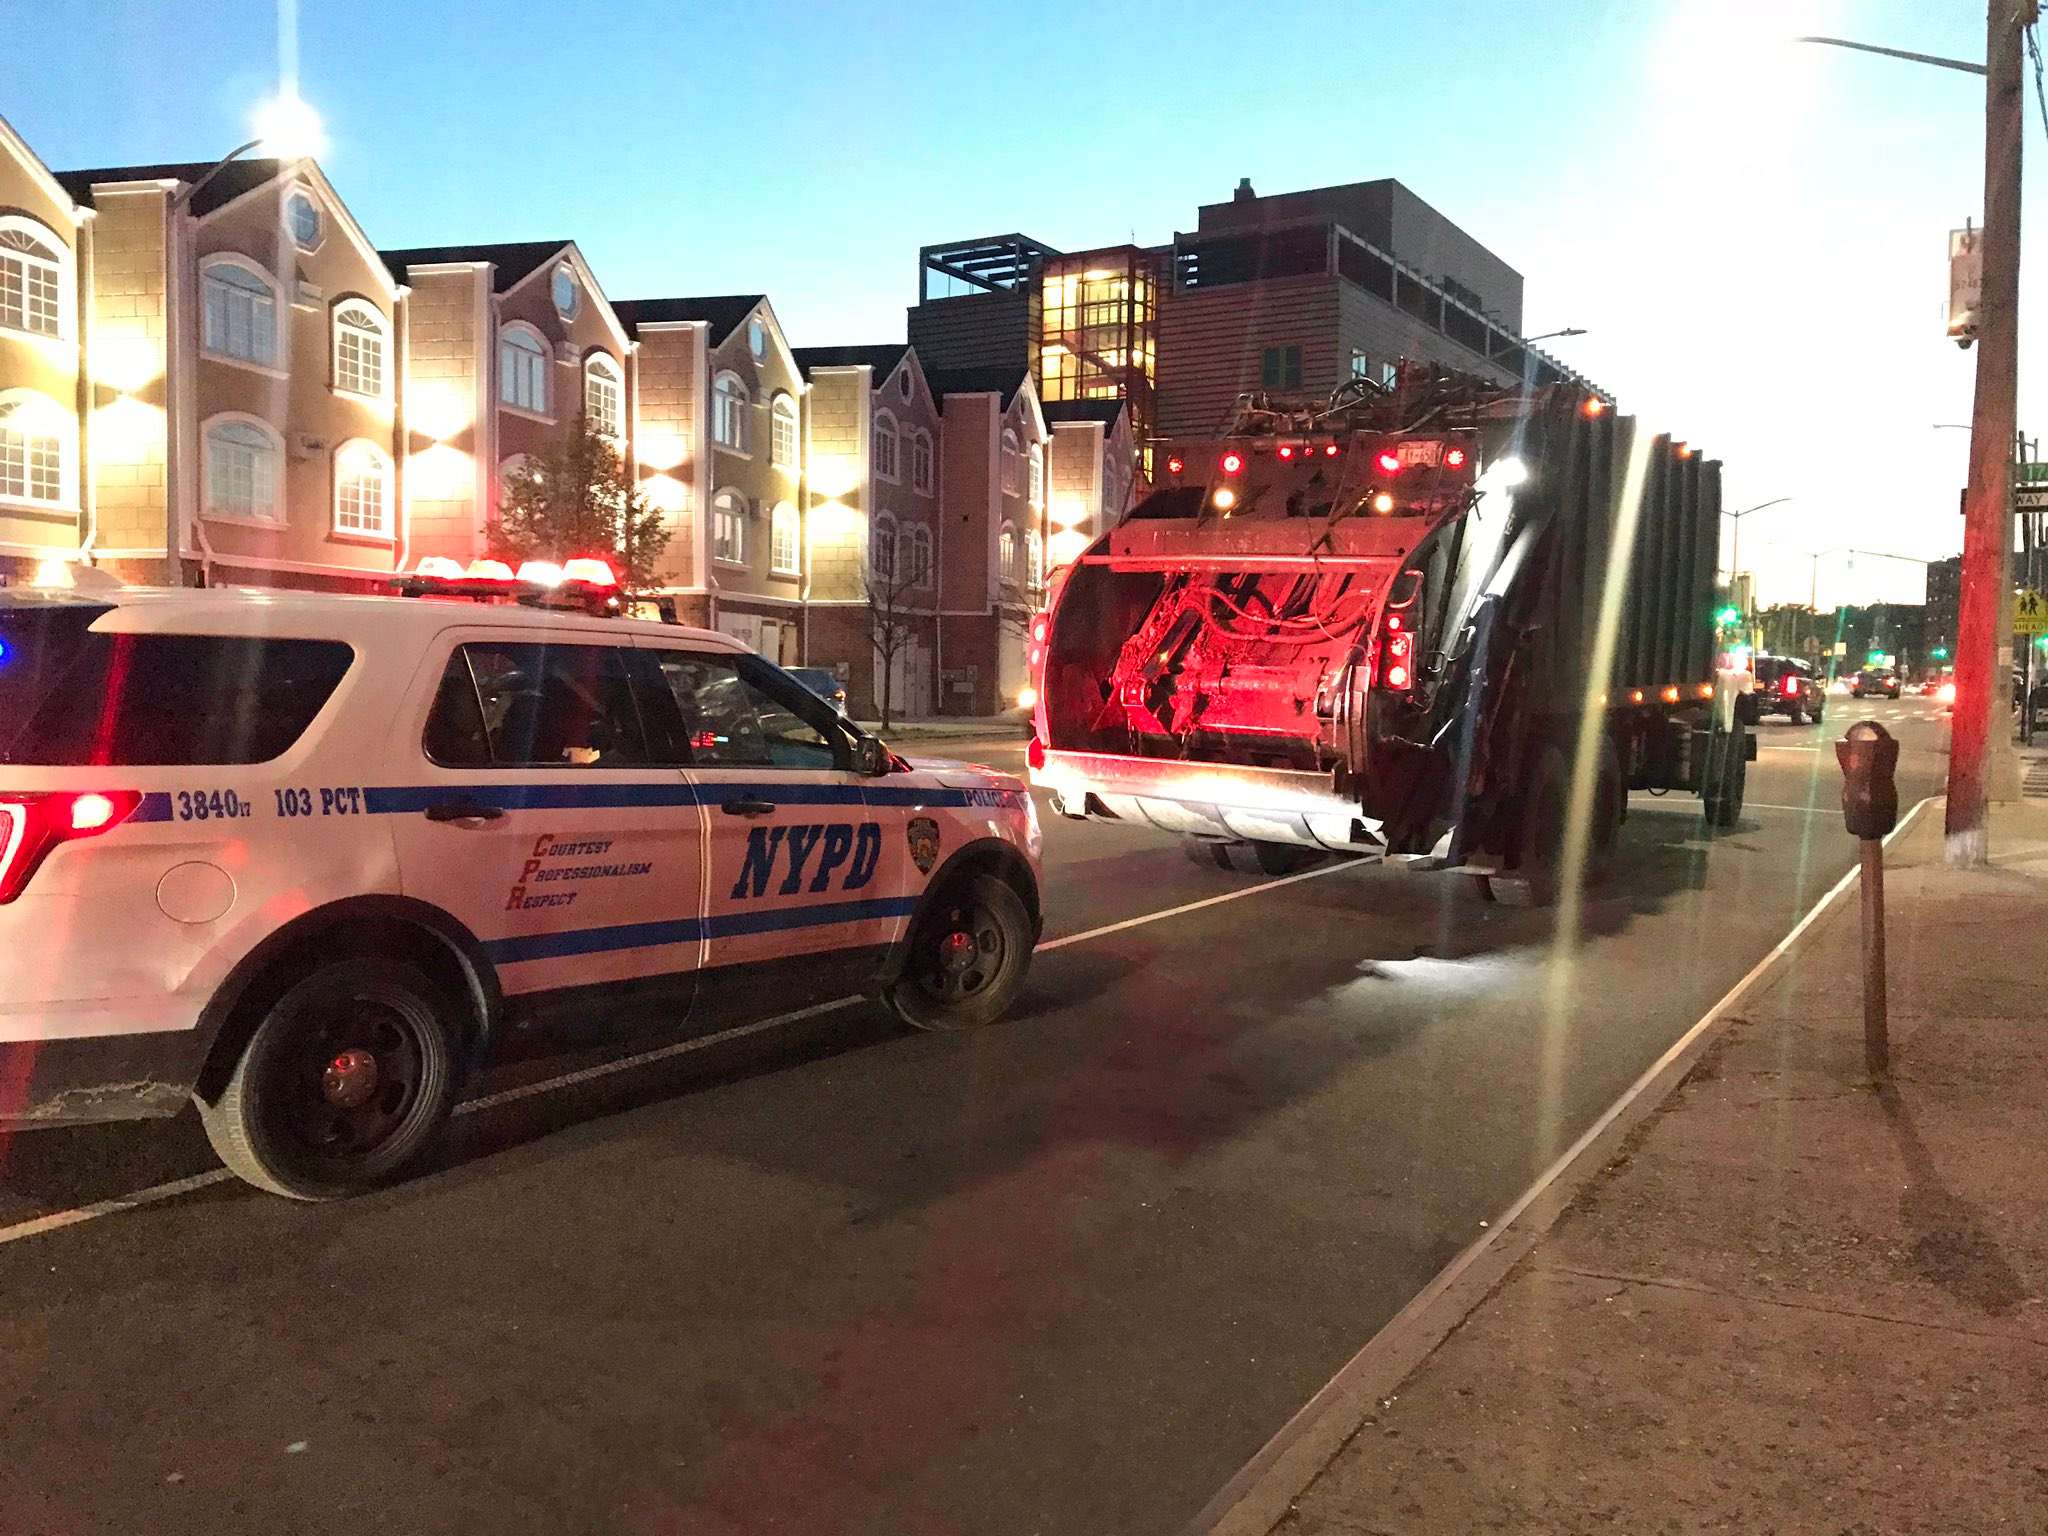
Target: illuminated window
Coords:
[[603, 390], [1034, 560], [782, 540], [882, 547], [1013, 465], [359, 350], [244, 465], [1280, 368], [1361, 368], [729, 528], [921, 461], [33, 290], [885, 446], [1037, 483], [1006, 553], [782, 433], [362, 490], [240, 313], [729, 412], [523, 369], [38, 449]]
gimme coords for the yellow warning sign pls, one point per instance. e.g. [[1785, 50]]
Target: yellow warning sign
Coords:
[[2030, 613]]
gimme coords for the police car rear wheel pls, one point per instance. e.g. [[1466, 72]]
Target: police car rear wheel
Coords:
[[968, 956], [349, 1075]]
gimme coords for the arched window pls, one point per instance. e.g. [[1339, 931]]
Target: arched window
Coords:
[[359, 350], [729, 412], [782, 540], [882, 547], [240, 307], [523, 368], [729, 528], [362, 490], [1035, 489], [885, 446], [921, 556], [1034, 560], [1006, 553], [782, 443], [35, 288], [38, 450], [603, 394], [1013, 465], [921, 461], [244, 463]]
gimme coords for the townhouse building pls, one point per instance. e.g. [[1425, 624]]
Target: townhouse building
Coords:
[[506, 347]]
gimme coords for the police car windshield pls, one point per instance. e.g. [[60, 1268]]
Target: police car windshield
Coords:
[[70, 695]]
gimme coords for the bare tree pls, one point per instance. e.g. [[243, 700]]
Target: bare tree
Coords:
[[887, 582]]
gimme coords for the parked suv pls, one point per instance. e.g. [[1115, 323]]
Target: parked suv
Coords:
[[1787, 687], [301, 858]]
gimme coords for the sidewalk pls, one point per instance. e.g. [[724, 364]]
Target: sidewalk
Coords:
[[1791, 1303], [953, 728]]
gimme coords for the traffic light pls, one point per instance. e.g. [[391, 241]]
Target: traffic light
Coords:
[[1940, 653], [1728, 616]]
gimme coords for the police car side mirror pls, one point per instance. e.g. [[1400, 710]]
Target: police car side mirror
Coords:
[[870, 758]]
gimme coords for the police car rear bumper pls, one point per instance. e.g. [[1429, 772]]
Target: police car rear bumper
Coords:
[[95, 1078]]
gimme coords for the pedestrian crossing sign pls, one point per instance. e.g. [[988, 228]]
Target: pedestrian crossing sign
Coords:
[[2029, 613]]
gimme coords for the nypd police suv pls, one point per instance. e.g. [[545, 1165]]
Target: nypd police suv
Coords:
[[302, 858]]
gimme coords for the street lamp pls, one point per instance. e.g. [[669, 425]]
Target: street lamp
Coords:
[[1570, 330], [1979, 753], [287, 128], [1735, 544]]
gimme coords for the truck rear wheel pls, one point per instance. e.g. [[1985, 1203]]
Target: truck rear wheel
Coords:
[[1727, 774], [347, 1078], [1252, 858], [1539, 850]]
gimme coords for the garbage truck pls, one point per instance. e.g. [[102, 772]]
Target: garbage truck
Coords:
[[1444, 620]]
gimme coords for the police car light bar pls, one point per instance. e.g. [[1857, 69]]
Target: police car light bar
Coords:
[[586, 584]]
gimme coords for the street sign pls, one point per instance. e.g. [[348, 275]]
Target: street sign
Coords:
[[1813, 645], [2029, 613], [1965, 283], [2030, 498]]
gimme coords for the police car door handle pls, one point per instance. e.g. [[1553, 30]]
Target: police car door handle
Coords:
[[749, 808], [464, 810]]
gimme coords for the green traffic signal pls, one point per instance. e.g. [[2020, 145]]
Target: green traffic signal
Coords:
[[1941, 653], [1729, 616]]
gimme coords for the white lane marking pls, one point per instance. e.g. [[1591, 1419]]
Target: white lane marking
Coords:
[[1192, 906], [1240, 1486], [57, 1220], [1692, 808], [1765, 746], [141, 1197]]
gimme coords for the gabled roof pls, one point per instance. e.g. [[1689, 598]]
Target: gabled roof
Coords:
[[882, 358], [235, 178], [1003, 381], [515, 262], [1104, 411], [40, 173], [722, 315]]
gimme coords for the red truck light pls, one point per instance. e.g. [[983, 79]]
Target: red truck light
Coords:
[[32, 824], [1389, 462], [1454, 458], [1286, 450], [1034, 754], [1174, 466], [1329, 450], [1232, 463]]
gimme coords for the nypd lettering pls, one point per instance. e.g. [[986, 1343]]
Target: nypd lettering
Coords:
[[820, 850]]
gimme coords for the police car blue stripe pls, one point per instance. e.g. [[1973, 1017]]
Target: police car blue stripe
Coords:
[[390, 801], [592, 941], [156, 806]]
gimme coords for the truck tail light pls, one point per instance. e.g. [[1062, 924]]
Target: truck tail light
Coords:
[[1389, 462], [31, 825], [1232, 463], [1399, 650]]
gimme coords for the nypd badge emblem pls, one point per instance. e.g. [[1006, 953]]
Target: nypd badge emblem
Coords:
[[923, 833]]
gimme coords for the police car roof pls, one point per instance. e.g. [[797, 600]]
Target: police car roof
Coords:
[[340, 615]]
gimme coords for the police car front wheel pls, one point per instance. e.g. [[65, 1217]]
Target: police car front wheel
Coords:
[[968, 955], [347, 1077]]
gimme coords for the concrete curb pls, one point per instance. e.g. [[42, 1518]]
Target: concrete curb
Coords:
[[1263, 1492]]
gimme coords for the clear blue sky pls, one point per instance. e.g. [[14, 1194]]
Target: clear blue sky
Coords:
[[1752, 233]]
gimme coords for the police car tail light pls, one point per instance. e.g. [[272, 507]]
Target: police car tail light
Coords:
[[595, 572], [31, 825]]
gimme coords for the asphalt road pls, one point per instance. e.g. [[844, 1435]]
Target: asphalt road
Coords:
[[1061, 1276]]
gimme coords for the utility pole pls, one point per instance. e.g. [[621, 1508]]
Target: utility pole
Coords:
[[1981, 755]]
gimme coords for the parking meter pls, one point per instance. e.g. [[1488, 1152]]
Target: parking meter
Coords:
[[1869, 755]]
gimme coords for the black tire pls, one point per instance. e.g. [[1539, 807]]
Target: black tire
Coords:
[[1209, 852], [349, 1075], [1610, 808], [969, 950], [1796, 715], [1727, 777], [1287, 858], [1819, 711]]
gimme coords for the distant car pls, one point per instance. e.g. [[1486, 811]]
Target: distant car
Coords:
[[1787, 687], [1873, 682], [823, 682]]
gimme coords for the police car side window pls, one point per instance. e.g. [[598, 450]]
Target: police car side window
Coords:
[[729, 722], [536, 706]]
